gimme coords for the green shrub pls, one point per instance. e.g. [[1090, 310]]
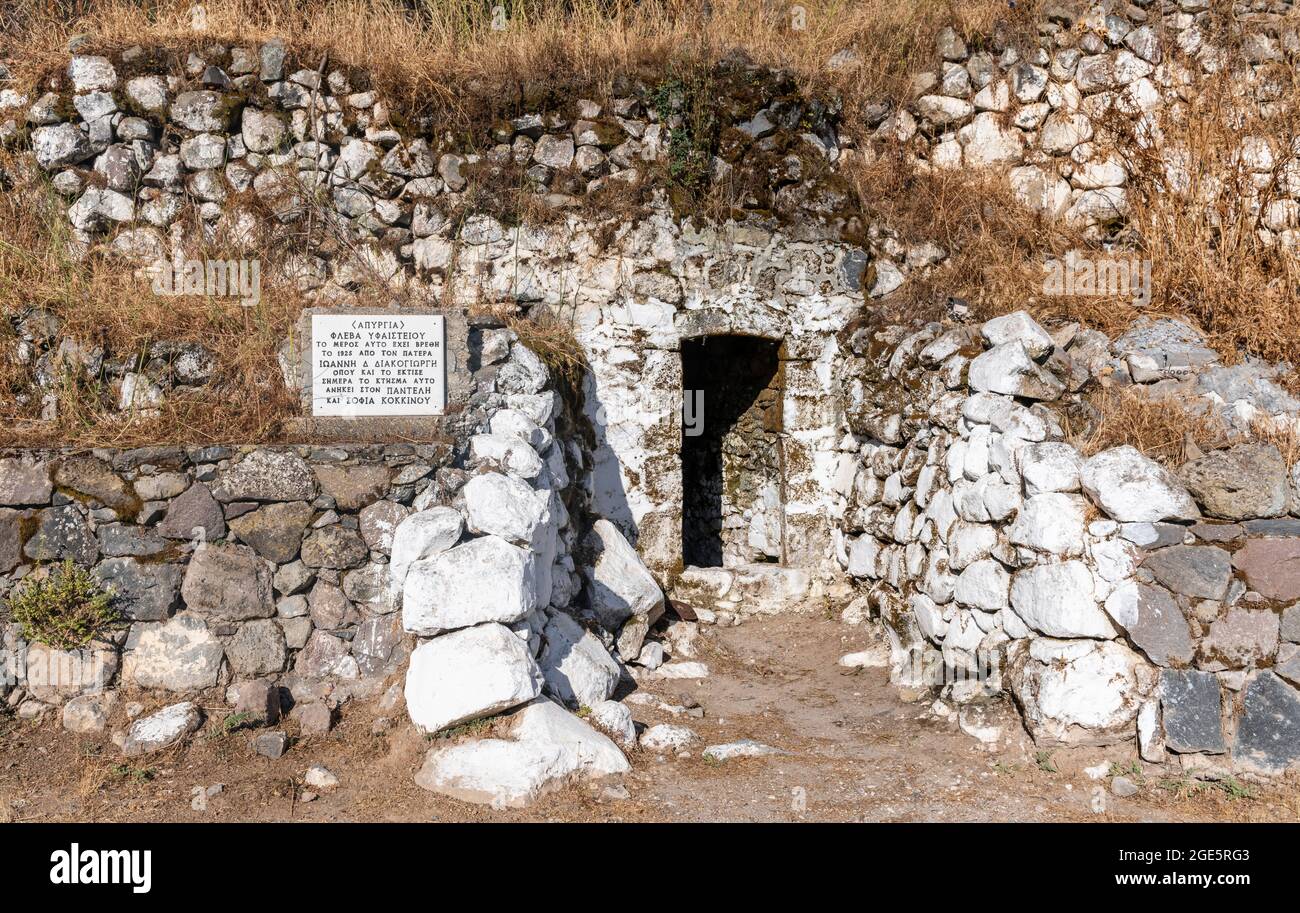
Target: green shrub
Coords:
[[66, 608]]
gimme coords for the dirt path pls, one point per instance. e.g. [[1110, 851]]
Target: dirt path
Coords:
[[857, 752]]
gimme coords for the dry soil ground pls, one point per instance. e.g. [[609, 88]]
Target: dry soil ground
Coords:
[[857, 752]]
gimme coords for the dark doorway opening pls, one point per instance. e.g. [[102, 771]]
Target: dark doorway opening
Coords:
[[732, 495]]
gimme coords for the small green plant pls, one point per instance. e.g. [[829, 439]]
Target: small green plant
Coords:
[[138, 774], [1132, 770], [1044, 761], [66, 608], [231, 723]]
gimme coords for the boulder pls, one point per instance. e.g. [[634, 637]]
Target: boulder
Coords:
[[577, 668], [1153, 622], [484, 579], [354, 487], [1008, 369], [422, 535], [1268, 735], [468, 674], [1058, 600], [229, 582], [335, 548], [267, 475], [618, 583], [275, 530], [1080, 692], [1192, 710], [55, 675], [1240, 483], [507, 452], [1271, 567], [162, 729], [178, 655], [502, 506], [142, 591], [545, 747], [1199, 571], [378, 523], [257, 648], [25, 483], [1132, 488]]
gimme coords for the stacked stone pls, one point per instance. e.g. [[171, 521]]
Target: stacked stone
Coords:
[[228, 565], [486, 579], [1041, 112], [998, 556]]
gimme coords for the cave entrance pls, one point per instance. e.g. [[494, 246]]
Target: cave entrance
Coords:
[[733, 492]]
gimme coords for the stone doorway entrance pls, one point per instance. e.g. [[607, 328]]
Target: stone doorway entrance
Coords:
[[733, 510]]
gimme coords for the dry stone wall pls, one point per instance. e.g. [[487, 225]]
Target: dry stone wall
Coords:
[[1114, 599]]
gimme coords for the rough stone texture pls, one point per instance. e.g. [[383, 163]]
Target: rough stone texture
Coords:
[[1199, 571], [1268, 736], [257, 648], [379, 522], [619, 583], [546, 747], [1080, 692], [62, 532], [88, 713], [1271, 567], [334, 547], [1153, 622], [485, 579], [353, 487], [25, 483], [229, 582], [268, 475], [1190, 705], [179, 655], [423, 535], [274, 531], [162, 729], [55, 675], [96, 480], [326, 656], [1240, 638], [1132, 488], [143, 591], [1240, 483], [467, 674], [576, 666], [194, 515], [1058, 600]]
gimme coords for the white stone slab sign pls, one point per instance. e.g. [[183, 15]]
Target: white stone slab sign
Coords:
[[378, 364]]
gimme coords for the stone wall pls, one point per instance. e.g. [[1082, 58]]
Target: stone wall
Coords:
[[1113, 598]]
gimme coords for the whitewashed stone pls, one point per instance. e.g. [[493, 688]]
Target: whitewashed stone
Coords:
[[485, 579], [1132, 488], [984, 585], [575, 664], [502, 506], [179, 655], [511, 453], [162, 729], [619, 585], [468, 674], [1081, 692], [616, 720], [546, 747], [1018, 327], [665, 737], [1049, 466], [1058, 600], [422, 535], [1008, 369], [1051, 522]]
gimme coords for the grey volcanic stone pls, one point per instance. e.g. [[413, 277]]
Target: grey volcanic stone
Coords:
[[1268, 735], [353, 487], [25, 483], [11, 539], [1291, 624], [228, 582], [1242, 482], [95, 479], [275, 530], [61, 532], [196, 509], [166, 727], [143, 591], [1200, 571], [120, 539], [376, 642], [1191, 705], [268, 475], [203, 112], [334, 547], [257, 648], [1154, 623]]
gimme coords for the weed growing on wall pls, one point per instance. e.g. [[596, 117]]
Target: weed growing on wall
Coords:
[[66, 608]]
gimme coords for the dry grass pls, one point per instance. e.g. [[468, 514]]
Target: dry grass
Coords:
[[1169, 430], [448, 51]]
